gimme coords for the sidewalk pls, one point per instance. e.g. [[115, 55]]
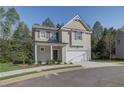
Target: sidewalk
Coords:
[[91, 64], [35, 69]]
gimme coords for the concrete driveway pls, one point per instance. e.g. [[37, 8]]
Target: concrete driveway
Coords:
[[91, 64], [94, 77]]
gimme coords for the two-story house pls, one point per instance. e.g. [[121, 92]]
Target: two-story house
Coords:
[[70, 43]]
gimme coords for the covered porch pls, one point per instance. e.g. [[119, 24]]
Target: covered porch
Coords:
[[49, 51]]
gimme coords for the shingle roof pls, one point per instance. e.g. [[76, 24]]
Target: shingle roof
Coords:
[[44, 27]]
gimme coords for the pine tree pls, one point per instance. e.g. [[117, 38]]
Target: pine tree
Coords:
[[48, 22]]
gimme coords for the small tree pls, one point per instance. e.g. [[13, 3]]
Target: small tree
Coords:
[[22, 55], [94, 42], [101, 50], [4, 51]]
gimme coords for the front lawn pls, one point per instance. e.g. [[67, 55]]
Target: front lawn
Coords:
[[9, 66], [108, 61]]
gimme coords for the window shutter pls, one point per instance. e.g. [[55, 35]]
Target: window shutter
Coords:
[[81, 35], [75, 36], [38, 34]]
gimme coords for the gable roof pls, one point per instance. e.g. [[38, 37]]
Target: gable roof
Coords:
[[78, 19]]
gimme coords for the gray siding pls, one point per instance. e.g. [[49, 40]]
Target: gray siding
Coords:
[[119, 44], [43, 56]]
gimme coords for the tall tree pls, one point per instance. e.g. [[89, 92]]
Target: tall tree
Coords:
[[98, 30], [22, 43], [94, 41], [95, 38], [109, 38], [8, 18], [48, 22], [11, 19], [2, 15]]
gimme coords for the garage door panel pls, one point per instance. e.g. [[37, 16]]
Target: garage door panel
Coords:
[[76, 56]]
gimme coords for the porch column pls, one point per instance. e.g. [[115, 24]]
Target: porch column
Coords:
[[64, 54], [51, 52], [35, 54]]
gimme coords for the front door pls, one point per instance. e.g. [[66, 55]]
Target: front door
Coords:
[[55, 54]]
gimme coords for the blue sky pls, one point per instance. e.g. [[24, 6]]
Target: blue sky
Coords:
[[108, 16]]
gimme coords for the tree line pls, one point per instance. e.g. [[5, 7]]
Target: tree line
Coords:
[[15, 38], [103, 42]]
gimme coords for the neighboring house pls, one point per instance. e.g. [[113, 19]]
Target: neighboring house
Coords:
[[70, 43], [119, 43]]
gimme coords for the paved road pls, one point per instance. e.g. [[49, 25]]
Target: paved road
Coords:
[[95, 77]]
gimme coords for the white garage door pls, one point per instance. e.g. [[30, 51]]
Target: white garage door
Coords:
[[76, 56]]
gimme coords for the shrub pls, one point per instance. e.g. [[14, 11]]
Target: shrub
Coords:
[[53, 61], [59, 61], [40, 62], [4, 60], [50, 62], [71, 63], [29, 62], [17, 62], [65, 63]]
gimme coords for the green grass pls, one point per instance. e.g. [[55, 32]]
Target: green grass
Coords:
[[107, 60], [8, 66]]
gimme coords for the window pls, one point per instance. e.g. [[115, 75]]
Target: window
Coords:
[[43, 34], [42, 49], [53, 36], [78, 35]]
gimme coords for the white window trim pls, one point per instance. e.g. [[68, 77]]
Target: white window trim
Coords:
[[44, 35]]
